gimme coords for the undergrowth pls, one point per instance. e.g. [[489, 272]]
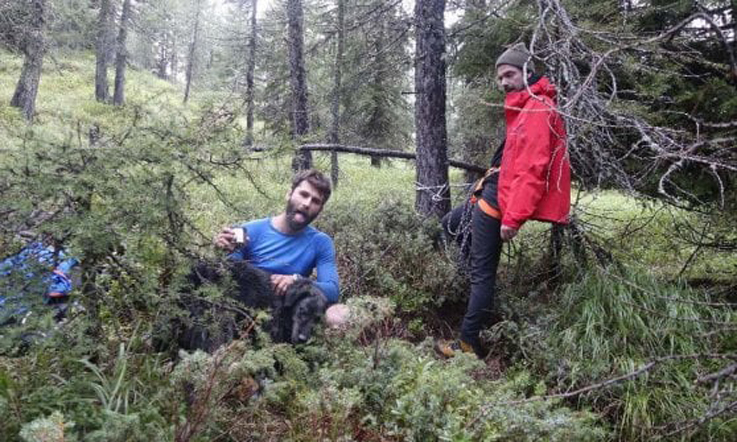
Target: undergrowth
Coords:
[[613, 323]]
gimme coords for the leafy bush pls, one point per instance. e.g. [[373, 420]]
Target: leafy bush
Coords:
[[122, 401], [401, 391], [340, 391], [392, 252], [47, 429]]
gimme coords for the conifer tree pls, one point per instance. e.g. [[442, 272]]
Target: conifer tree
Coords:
[[298, 81], [250, 70], [192, 53], [334, 133], [34, 48], [433, 194], [121, 59], [101, 50]]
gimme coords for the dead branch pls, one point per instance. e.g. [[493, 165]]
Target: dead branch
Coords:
[[385, 153], [604, 384], [605, 135]]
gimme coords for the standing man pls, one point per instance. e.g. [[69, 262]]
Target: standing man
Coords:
[[288, 247], [530, 179]]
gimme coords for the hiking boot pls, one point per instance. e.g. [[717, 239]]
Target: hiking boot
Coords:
[[449, 348]]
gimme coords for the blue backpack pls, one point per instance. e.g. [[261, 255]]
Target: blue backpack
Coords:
[[37, 270]]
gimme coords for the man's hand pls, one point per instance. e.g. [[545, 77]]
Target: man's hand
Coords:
[[226, 240], [282, 282], [507, 233]]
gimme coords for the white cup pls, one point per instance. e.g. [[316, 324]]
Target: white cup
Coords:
[[240, 235]]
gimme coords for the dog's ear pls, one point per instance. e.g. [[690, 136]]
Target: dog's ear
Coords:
[[321, 302], [292, 297], [297, 291]]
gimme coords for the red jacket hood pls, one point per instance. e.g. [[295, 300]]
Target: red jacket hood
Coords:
[[542, 87]]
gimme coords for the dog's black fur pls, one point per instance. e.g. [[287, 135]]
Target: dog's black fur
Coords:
[[211, 324]]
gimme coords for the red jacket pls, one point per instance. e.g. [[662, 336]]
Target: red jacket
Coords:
[[535, 176]]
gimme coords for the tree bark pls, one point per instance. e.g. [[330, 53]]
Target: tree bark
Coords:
[[164, 55], [102, 92], [121, 58], [298, 77], [163, 61], [174, 61], [34, 48], [334, 133], [377, 122], [433, 193], [250, 69], [192, 52], [733, 4]]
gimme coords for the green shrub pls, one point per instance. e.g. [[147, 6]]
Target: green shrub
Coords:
[[401, 391], [52, 381], [47, 429], [392, 252], [610, 324]]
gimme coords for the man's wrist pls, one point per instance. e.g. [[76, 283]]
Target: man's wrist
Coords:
[[297, 277]]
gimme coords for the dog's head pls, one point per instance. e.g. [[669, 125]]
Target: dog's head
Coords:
[[306, 305]]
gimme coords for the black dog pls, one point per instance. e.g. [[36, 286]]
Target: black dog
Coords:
[[210, 324]]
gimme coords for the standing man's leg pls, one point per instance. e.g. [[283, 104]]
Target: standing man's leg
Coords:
[[486, 249], [451, 222]]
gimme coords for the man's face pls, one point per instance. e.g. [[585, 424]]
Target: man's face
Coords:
[[304, 203], [510, 78]]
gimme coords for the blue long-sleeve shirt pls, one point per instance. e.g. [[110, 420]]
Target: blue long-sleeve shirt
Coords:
[[276, 252]]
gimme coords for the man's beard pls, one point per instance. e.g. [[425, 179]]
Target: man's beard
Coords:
[[295, 225]]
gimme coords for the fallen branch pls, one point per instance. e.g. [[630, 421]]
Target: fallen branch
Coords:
[[703, 419], [385, 153]]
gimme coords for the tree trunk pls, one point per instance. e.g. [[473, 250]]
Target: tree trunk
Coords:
[[102, 93], [122, 55], [162, 64], [298, 77], [174, 61], [34, 49], [734, 38], [249, 75], [378, 122], [433, 193], [192, 52], [334, 133]]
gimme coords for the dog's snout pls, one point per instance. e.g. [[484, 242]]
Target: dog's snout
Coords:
[[302, 338]]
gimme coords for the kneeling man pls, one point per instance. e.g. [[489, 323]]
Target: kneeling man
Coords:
[[288, 247]]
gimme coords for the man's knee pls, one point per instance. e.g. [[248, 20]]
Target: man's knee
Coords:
[[337, 315]]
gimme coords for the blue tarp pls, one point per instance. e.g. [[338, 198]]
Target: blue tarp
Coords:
[[37, 270]]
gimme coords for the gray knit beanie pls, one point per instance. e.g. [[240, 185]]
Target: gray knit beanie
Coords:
[[517, 55]]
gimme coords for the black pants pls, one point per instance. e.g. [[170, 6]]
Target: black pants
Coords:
[[486, 249]]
